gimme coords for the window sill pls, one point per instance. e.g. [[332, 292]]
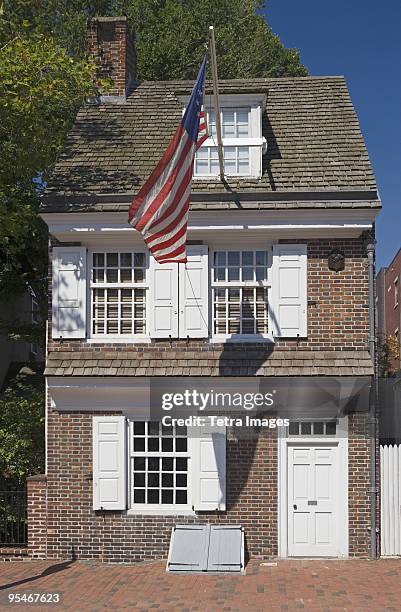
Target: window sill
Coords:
[[143, 510], [239, 338], [118, 340]]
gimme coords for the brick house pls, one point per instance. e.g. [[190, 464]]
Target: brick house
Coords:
[[258, 301], [388, 302]]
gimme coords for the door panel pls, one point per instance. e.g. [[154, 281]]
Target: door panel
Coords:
[[312, 501]]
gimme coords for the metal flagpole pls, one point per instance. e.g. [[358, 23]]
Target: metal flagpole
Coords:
[[216, 102]]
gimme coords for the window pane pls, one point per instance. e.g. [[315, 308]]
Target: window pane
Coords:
[[167, 445], [167, 464], [112, 259], [98, 259], [139, 463], [233, 258], [261, 258], [318, 428], [139, 496], [168, 496], [181, 497], [112, 275], [181, 445], [293, 429], [201, 166], [331, 428], [139, 445], [153, 428], [153, 444], [181, 464], [153, 464], [306, 429], [181, 480], [126, 260], [139, 480], [168, 480], [153, 496], [220, 258], [139, 429]]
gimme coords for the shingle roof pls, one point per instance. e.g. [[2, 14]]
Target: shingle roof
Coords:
[[313, 136], [154, 361]]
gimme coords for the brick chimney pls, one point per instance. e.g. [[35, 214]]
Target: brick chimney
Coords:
[[110, 43]]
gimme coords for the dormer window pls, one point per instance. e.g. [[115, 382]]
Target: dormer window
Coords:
[[243, 143]]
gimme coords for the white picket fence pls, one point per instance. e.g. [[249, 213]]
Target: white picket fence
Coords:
[[390, 471]]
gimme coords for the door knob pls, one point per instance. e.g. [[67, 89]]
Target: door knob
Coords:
[[295, 507]]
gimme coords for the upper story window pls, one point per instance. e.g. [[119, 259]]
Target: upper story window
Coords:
[[240, 300], [241, 126], [396, 290], [109, 295], [118, 292]]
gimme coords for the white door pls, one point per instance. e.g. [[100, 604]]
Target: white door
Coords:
[[313, 487]]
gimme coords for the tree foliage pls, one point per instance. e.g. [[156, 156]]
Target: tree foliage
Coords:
[[21, 431], [41, 88]]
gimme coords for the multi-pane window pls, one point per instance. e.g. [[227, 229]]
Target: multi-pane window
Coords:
[[240, 299], [118, 293], [312, 428], [159, 464], [238, 143]]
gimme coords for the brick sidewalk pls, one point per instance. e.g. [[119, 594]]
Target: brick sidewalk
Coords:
[[290, 585]]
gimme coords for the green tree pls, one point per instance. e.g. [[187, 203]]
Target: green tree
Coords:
[[21, 431], [41, 88], [170, 39]]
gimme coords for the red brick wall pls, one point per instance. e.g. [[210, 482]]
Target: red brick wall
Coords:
[[75, 530], [37, 516], [338, 315]]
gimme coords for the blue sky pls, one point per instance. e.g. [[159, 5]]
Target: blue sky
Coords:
[[360, 39]]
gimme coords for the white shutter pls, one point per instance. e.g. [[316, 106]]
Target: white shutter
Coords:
[[194, 293], [289, 290], [109, 463], [208, 473], [163, 303], [69, 292]]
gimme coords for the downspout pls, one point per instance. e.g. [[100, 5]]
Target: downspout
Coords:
[[370, 249]]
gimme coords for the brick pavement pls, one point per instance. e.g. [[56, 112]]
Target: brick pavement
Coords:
[[290, 585]]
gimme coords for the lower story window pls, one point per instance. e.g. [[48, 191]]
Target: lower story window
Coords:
[[159, 464]]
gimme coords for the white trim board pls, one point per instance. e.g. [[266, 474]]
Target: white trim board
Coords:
[[314, 222], [341, 440]]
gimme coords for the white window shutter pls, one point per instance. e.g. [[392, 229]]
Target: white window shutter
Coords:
[[163, 302], [109, 463], [208, 474], [194, 293], [69, 292], [289, 290]]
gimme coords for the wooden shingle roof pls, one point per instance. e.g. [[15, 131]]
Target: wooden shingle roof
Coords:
[[314, 143], [238, 361]]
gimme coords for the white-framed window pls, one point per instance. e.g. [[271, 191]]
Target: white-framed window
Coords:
[[241, 127], [159, 464], [312, 428], [118, 294], [240, 293]]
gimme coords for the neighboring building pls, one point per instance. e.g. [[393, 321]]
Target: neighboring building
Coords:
[[388, 296], [257, 303]]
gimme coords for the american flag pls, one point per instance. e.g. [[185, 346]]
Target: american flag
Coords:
[[160, 210]]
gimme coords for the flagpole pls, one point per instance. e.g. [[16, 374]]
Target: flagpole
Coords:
[[216, 102]]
